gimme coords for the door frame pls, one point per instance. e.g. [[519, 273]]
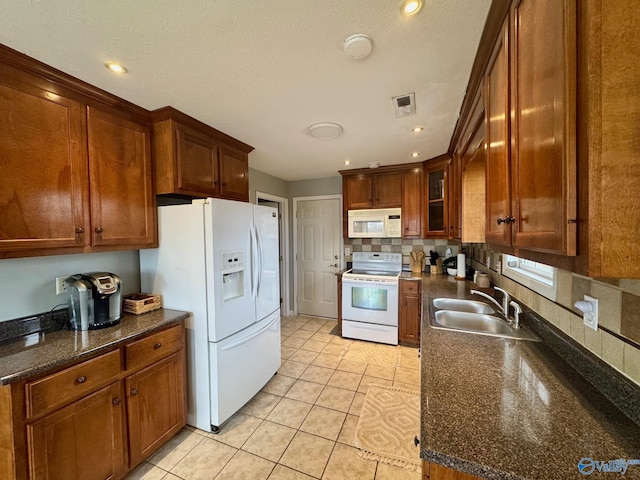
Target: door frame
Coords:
[[284, 245], [337, 196]]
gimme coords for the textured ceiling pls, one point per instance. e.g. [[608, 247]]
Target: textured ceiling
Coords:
[[264, 70]]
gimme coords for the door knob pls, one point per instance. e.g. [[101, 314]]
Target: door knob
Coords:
[[335, 265], [335, 256]]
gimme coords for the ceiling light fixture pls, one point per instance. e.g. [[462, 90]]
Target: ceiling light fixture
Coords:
[[415, 154], [347, 162], [357, 46], [411, 7], [325, 130], [374, 165], [116, 67], [417, 129]]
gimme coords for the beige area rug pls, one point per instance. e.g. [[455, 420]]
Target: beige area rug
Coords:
[[389, 421]]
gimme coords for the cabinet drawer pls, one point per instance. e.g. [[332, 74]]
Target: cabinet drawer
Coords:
[[146, 351], [410, 287], [71, 383]]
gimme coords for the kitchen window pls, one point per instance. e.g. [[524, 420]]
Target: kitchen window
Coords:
[[536, 276]]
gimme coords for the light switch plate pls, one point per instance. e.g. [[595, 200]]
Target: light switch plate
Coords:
[[347, 250]]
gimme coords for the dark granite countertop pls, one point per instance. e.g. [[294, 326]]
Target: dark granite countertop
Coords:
[[39, 353], [507, 409]]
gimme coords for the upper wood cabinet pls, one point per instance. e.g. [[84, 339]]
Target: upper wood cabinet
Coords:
[[496, 98], [196, 160], [608, 142], [412, 199], [543, 116], [44, 186], [122, 200], [390, 186], [530, 100], [436, 219], [373, 190], [76, 165]]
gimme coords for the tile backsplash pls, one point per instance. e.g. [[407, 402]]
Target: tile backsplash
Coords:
[[399, 245], [617, 342]]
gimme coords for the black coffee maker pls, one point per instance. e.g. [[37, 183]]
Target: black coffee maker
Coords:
[[95, 300]]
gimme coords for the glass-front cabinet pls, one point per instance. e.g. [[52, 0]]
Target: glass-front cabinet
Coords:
[[435, 174]]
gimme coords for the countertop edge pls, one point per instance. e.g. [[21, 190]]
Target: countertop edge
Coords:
[[24, 374], [466, 466]]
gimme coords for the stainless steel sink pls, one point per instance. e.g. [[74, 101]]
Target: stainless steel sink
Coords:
[[480, 324], [461, 305]]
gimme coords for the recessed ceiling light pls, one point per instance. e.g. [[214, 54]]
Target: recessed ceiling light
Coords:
[[374, 165], [347, 162], [325, 130], [116, 67], [411, 7], [415, 154], [417, 129]]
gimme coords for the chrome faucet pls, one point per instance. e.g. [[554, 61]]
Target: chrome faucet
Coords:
[[517, 310], [489, 297], [506, 298]]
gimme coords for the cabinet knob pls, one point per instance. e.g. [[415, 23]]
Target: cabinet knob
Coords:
[[81, 379], [99, 230], [216, 182], [134, 392], [404, 304], [79, 230], [157, 346], [116, 401], [411, 287], [224, 184]]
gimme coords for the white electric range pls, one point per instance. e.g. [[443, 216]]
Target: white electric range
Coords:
[[370, 297]]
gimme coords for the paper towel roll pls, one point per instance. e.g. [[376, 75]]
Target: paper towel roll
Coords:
[[462, 264]]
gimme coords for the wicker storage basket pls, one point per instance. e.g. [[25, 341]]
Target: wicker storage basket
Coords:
[[138, 303]]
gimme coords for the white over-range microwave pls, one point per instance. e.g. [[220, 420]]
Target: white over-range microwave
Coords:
[[375, 223]]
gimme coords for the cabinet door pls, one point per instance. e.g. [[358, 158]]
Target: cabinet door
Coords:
[[543, 102], [196, 163], [455, 197], [122, 199], [387, 190], [234, 174], [412, 198], [410, 311], [82, 441], [359, 191], [155, 406], [498, 213], [436, 214], [44, 180]]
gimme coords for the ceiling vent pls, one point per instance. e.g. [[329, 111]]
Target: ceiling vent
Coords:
[[404, 105]]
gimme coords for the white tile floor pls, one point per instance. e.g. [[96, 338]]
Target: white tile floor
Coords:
[[302, 424]]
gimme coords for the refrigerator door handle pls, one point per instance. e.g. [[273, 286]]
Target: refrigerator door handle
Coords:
[[259, 255], [253, 335], [254, 260]]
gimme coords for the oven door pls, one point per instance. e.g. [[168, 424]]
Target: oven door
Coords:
[[370, 301]]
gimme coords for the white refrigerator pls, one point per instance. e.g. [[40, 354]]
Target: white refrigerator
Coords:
[[219, 260]]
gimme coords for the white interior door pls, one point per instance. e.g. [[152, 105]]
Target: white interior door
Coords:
[[318, 252]]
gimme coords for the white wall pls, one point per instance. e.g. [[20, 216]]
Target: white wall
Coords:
[[27, 285]]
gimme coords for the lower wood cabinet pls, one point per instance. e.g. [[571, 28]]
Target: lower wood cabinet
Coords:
[[155, 406], [83, 440], [433, 471], [409, 311], [102, 422]]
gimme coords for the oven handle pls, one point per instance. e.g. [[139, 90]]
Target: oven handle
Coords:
[[358, 281]]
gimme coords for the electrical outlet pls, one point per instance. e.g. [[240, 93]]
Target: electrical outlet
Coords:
[[589, 309], [61, 287], [347, 250]]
